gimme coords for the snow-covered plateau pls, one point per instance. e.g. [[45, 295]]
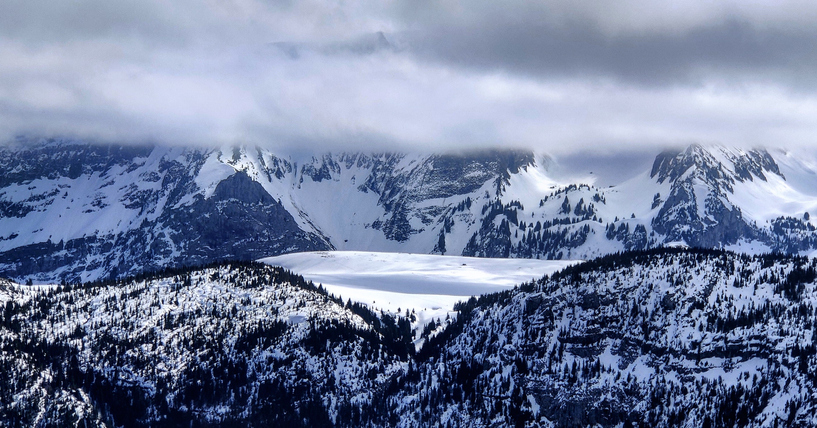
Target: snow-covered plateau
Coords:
[[427, 285]]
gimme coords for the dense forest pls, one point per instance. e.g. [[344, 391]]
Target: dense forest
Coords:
[[669, 337]]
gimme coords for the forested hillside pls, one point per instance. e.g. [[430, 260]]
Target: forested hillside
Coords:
[[668, 337]]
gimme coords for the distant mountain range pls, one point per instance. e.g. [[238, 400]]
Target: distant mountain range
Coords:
[[72, 211]]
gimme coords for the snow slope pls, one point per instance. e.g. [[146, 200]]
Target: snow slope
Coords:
[[428, 284]]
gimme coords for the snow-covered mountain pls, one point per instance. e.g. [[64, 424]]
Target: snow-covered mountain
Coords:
[[661, 338], [72, 212], [232, 344], [672, 337]]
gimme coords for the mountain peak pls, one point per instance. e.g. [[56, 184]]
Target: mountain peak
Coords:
[[716, 165]]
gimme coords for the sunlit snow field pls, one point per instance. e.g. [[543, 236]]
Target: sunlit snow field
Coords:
[[428, 284]]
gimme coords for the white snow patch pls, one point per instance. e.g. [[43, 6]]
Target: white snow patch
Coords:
[[428, 284]]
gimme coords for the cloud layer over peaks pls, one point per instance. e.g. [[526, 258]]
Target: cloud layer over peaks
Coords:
[[398, 75]]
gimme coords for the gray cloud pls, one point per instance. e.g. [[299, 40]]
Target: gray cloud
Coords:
[[555, 76], [728, 50], [719, 46]]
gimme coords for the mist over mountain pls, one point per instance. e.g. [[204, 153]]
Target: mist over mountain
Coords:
[[337, 76]]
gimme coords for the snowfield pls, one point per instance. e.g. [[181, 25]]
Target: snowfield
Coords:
[[428, 284]]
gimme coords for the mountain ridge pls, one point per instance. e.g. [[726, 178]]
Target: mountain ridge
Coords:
[[662, 337], [71, 211]]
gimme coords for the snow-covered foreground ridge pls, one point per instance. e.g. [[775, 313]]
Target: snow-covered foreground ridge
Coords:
[[661, 338], [216, 345], [75, 212]]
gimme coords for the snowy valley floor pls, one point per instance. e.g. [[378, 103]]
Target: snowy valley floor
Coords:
[[429, 285]]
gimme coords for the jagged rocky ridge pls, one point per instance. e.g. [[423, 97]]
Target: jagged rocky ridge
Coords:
[[76, 212], [654, 338]]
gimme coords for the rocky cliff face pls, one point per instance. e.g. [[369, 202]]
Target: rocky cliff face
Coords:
[[71, 211], [657, 338], [697, 209], [104, 212]]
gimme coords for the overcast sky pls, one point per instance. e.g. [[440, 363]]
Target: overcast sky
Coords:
[[551, 75]]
